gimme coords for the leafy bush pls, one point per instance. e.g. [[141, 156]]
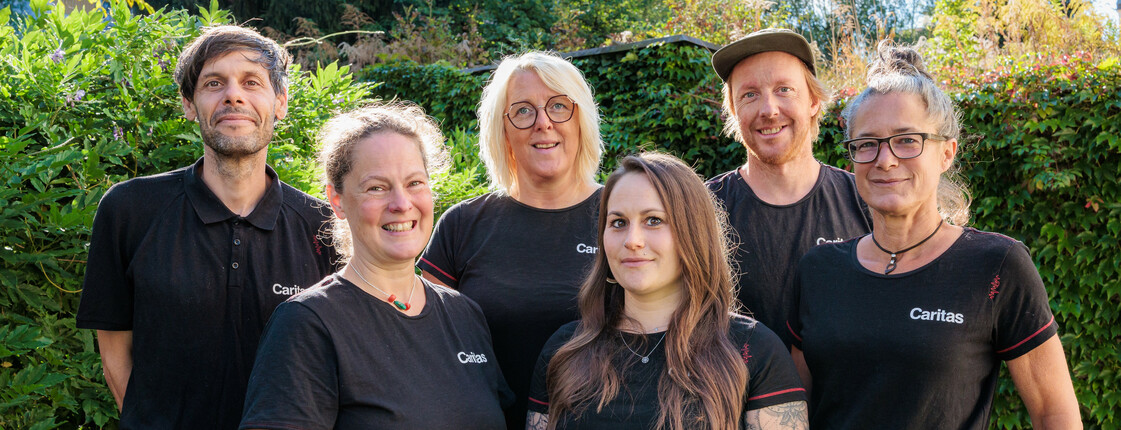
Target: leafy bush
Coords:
[[467, 177], [1044, 164], [979, 34], [662, 97], [1043, 159], [442, 90], [87, 102]]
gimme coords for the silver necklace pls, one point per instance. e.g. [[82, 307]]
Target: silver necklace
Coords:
[[644, 358], [392, 299]]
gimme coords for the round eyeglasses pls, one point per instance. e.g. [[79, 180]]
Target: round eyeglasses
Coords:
[[558, 109], [902, 146]]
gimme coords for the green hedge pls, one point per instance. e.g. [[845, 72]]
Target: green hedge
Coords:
[[1043, 159], [447, 94], [84, 105], [87, 102], [1042, 156]]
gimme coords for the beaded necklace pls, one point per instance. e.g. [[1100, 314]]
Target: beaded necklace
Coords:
[[391, 298]]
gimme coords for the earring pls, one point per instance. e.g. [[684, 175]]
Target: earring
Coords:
[[611, 280]]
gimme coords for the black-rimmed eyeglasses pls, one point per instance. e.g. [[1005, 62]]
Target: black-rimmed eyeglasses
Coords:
[[902, 146], [558, 109]]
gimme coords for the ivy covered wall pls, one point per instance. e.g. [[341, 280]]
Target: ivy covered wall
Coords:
[[1041, 153]]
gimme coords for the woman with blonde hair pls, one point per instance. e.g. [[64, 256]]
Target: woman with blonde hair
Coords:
[[906, 327], [658, 344], [521, 250], [375, 346]]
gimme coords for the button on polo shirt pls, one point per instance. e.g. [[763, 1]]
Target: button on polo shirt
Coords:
[[196, 284]]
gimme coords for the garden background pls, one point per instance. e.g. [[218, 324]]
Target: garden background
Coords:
[[87, 100]]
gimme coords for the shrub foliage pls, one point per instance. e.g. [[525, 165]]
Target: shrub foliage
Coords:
[[86, 102], [1042, 156]]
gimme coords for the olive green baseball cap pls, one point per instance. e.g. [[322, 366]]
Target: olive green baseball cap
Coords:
[[770, 39]]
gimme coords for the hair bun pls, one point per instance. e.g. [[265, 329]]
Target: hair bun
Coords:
[[897, 60]]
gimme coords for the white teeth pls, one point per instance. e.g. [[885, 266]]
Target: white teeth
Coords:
[[770, 130], [545, 145], [398, 226]]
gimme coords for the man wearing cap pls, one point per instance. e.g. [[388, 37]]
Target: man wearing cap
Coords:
[[186, 267], [781, 201]]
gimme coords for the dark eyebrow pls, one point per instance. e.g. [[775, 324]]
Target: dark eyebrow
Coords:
[[252, 73], [646, 211], [211, 74]]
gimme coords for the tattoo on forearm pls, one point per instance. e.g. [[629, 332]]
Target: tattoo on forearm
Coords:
[[790, 415], [536, 421]]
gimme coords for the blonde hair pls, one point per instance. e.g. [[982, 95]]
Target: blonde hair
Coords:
[[560, 76], [339, 136], [818, 91]]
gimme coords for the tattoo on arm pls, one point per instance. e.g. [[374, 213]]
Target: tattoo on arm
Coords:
[[791, 416], [536, 421]]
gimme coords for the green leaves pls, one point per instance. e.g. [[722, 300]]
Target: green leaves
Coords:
[[85, 106], [1040, 151], [20, 340], [1045, 171]]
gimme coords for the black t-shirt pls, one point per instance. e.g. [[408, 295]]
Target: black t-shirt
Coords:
[[337, 357], [771, 239], [523, 266], [772, 377], [917, 349], [196, 284]]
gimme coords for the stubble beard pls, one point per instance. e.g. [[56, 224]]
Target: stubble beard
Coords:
[[797, 149], [240, 147]]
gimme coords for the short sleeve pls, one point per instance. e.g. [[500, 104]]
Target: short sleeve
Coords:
[[1023, 314], [772, 377], [294, 383], [438, 258], [538, 388], [107, 293]]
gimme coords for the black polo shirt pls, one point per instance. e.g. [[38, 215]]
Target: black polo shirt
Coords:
[[196, 283]]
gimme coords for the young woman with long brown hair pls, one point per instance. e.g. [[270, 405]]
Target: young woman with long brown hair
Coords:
[[658, 345]]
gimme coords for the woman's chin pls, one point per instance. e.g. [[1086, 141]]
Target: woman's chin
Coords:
[[395, 255]]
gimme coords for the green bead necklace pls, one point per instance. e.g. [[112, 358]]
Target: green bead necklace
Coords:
[[391, 298]]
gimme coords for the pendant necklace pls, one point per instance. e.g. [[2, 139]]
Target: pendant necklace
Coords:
[[891, 264], [392, 298], [644, 358]]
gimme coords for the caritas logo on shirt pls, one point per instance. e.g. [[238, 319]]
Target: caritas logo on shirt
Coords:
[[471, 357], [822, 241]]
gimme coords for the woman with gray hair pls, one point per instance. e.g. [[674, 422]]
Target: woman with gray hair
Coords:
[[375, 346], [522, 250], [907, 327]]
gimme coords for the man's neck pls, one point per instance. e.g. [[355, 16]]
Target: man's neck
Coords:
[[239, 183], [781, 184]]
